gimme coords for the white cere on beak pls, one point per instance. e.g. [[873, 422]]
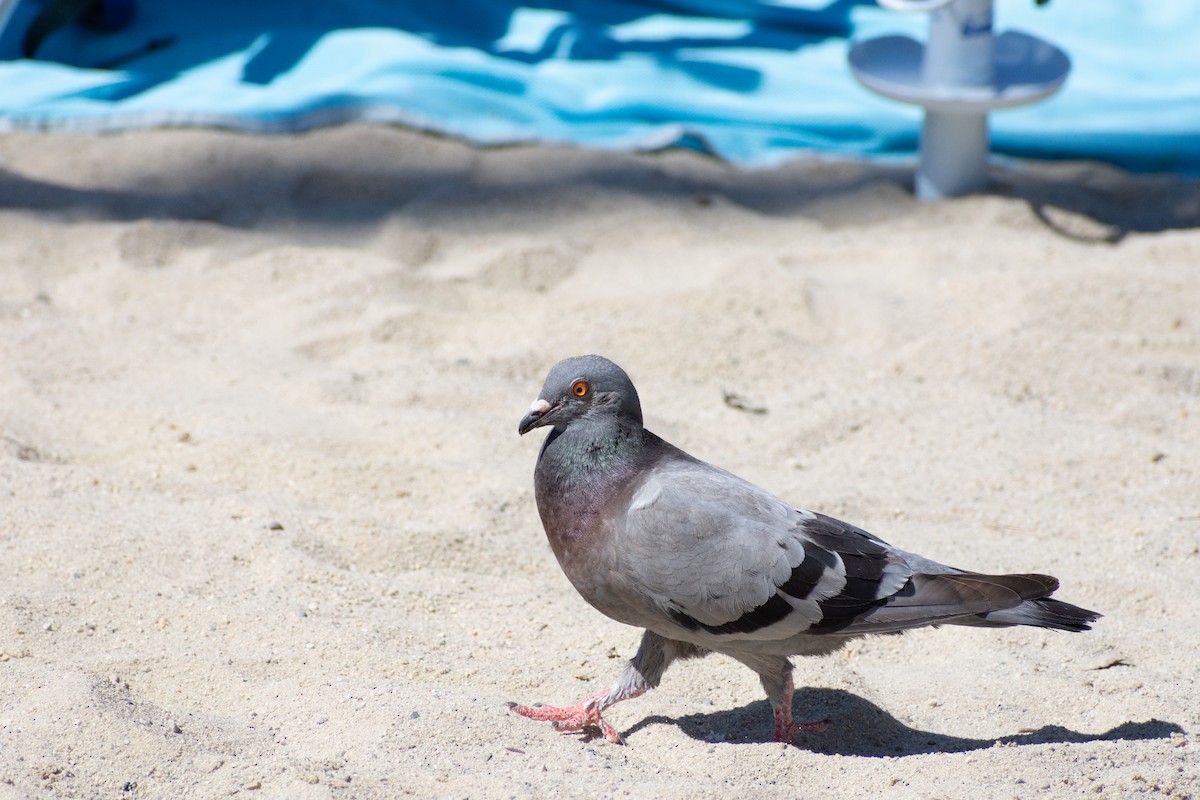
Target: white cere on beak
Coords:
[[539, 406]]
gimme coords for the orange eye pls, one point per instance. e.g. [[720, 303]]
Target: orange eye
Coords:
[[579, 388]]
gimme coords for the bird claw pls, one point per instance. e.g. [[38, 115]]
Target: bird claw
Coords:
[[571, 719], [789, 731]]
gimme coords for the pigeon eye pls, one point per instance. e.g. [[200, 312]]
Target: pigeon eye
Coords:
[[579, 388]]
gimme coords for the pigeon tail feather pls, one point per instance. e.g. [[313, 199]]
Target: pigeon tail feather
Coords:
[[1043, 612]]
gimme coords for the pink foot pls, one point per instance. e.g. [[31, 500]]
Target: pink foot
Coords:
[[573, 718], [787, 728]]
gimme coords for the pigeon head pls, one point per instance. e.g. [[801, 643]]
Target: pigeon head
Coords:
[[582, 386]]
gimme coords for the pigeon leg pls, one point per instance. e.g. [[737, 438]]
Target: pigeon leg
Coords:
[[786, 728], [775, 673], [643, 672]]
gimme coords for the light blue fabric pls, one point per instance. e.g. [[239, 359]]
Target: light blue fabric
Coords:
[[754, 83]]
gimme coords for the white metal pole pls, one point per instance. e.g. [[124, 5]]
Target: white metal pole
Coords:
[[954, 150]]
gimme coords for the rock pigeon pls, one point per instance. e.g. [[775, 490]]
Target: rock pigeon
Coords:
[[705, 561]]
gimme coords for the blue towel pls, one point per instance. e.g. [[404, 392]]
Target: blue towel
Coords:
[[753, 83]]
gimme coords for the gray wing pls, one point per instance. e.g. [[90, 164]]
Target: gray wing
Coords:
[[725, 560]]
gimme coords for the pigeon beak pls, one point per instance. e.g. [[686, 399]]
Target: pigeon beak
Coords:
[[533, 419]]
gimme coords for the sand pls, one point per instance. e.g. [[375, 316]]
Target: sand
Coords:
[[267, 528]]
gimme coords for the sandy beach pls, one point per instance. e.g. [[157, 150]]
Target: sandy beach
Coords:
[[267, 528]]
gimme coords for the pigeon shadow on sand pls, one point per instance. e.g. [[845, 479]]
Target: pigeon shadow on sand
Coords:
[[860, 728]]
